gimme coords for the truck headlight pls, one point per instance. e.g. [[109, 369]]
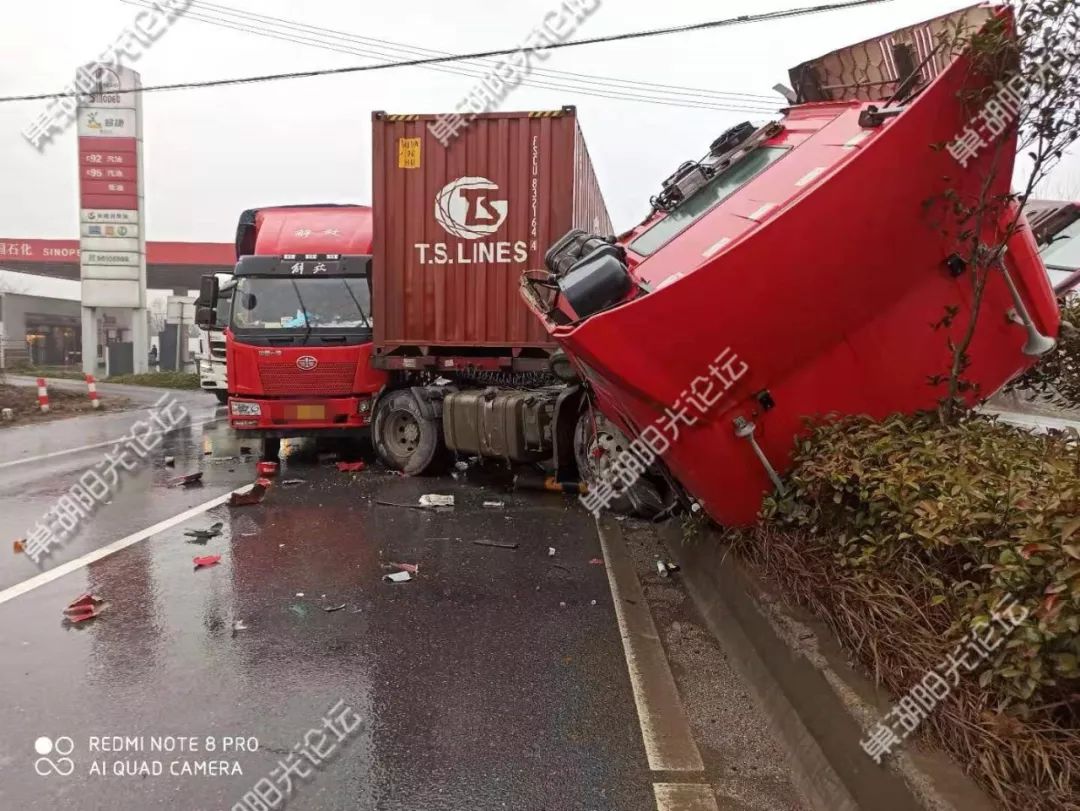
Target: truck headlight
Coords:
[[364, 407], [242, 409]]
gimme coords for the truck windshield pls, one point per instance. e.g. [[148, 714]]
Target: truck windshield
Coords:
[[261, 303], [714, 192]]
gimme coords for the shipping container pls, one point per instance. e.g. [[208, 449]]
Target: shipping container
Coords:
[[456, 225]]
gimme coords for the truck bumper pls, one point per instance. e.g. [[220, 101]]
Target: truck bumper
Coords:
[[286, 418]]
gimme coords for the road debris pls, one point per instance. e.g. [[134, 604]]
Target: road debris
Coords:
[[499, 544], [410, 506], [187, 480], [351, 467], [292, 482], [299, 594], [18, 546], [665, 568], [267, 469], [551, 551], [436, 500], [398, 577], [333, 608], [252, 496], [596, 562], [84, 607], [239, 626], [496, 504], [206, 560], [170, 461], [204, 535], [411, 568], [526, 481]]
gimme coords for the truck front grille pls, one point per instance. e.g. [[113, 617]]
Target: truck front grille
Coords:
[[325, 379]]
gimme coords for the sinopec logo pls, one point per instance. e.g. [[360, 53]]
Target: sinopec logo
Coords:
[[465, 208], [306, 363]]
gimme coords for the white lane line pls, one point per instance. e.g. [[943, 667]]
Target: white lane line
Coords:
[[103, 552], [669, 744], [81, 448], [684, 797]]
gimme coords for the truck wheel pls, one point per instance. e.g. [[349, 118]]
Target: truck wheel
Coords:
[[222, 396], [405, 438], [596, 446]]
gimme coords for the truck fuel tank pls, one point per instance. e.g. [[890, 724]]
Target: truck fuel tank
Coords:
[[500, 423]]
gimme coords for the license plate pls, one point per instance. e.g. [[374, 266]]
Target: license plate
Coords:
[[309, 412]]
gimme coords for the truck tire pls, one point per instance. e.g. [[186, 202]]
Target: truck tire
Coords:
[[405, 437], [222, 396], [597, 443]]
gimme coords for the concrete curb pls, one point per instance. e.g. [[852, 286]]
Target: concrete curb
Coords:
[[820, 707]]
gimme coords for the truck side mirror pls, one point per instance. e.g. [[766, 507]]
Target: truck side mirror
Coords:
[[206, 312]]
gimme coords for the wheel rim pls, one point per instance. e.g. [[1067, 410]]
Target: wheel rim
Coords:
[[402, 433]]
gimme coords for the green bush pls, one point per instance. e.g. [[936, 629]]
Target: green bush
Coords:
[[963, 516]]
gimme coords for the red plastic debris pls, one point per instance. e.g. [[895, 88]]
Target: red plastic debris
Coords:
[[351, 467], [19, 546], [252, 496], [596, 562], [266, 468], [186, 480], [207, 560], [83, 608]]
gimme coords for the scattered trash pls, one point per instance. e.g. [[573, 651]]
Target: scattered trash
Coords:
[[551, 551], [170, 461], [299, 594], [239, 626], [496, 504], [500, 545], [204, 535], [461, 465], [592, 602], [664, 568], [596, 562], [84, 607], [266, 468], [207, 560], [252, 496], [331, 609], [292, 482], [411, 568], [281, 546], [562, 605], [185, 481], [409, 506], [526, 481], [351, 467], [19, 546], [435, 500], [398, 577]]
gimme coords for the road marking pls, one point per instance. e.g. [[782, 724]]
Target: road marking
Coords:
[[103, 552], [669, 745], [81, 448], [684, 797]]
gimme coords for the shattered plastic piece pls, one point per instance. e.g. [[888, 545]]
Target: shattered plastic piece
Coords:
[[596, 562], [398, 577], [83, 608], [461, 465], [170, 461], [292, 482], [436, 500], [204, 535], [266, 468], [18, 546], [551, 551], [351, 467], [299, 594], [333, 608], [592, 602], [662, 569], [239, 626], [411, 568], [252, 496], [500, 545], [498, 504], [185, 481], [206, 560]]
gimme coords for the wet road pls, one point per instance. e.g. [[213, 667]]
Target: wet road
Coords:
[[497, 679]]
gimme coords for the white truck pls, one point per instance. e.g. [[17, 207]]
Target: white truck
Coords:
[[211, 360]]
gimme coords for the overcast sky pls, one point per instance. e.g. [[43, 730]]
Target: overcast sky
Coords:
[[210, 153]]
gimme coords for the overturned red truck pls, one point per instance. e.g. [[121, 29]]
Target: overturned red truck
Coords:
[[795, 271]]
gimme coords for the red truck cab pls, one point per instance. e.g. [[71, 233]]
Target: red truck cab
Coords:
[[298, 344]]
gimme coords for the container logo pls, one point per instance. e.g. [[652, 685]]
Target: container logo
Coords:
[[465, 208], [306, 363]]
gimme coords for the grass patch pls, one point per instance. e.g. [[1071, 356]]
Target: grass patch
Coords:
[[164, 380]]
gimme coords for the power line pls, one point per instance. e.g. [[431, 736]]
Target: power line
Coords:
[[632, 35], [381, 45], [625, 94]]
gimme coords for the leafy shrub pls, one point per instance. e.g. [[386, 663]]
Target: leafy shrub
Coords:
[[963, 515]]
